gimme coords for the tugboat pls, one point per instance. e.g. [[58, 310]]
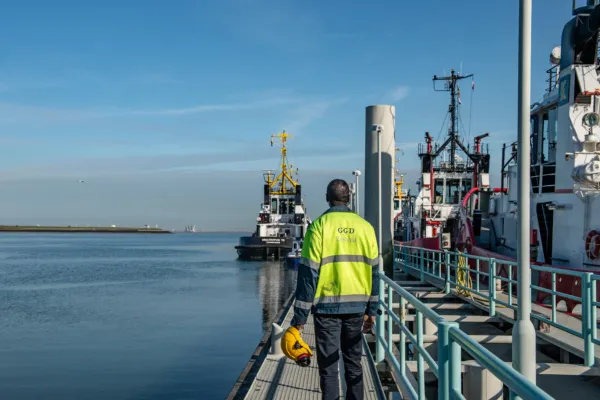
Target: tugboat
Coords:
[[282, 220], [399, 196], [447, 180], [564, 178], [565, 159]]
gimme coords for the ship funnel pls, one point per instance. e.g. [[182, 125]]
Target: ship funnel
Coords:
[[590, 4], [579, 43]]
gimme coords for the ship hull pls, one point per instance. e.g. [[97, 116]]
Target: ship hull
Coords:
[[257, 248]]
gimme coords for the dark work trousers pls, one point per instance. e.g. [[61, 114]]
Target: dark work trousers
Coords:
[[335, 332]]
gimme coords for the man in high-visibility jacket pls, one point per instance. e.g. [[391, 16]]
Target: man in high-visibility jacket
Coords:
[[338, 282]]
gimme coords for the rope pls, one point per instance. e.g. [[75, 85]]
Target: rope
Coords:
[[463, 278]]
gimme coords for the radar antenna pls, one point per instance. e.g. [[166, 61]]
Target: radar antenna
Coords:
[[451, 85]]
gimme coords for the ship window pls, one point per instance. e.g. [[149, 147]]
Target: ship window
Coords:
[[396, 204], [544, 139], [552, 128], [533, 139], [274, 205], [452, 191], [438, 191], [466, 186], [283, 206]]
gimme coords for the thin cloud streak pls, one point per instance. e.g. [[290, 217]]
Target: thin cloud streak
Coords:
[[399, 93], [305, 115], [216, 107], [11, 112], [115, 166]]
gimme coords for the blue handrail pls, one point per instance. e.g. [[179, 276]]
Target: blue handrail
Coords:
[[451, 342], [405, 256], [508, 375]]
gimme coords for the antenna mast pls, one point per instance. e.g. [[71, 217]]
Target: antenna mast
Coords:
[[452, 87], [286, 170]]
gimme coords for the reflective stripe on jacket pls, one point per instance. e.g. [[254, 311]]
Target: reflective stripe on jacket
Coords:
[[338, 270]]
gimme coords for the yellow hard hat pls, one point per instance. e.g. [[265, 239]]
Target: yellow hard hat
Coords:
[[295, 348]]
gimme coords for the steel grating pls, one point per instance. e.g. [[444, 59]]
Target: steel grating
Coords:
[[280, 378]]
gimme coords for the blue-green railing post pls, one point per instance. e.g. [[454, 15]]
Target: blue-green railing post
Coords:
[[390, 303], [420, 366], [402, 344], [421, 264], [455, 363], [594, 312], [447, 277], [554, 297], [492, 287], [379, 328], [586, 318], [444, 359]]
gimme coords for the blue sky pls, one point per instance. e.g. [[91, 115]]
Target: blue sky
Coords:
[[165, 108]]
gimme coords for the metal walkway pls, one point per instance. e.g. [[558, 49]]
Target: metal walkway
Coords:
[[281, 378], [446, 333]]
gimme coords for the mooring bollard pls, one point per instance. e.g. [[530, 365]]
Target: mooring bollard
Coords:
[[276, 335]]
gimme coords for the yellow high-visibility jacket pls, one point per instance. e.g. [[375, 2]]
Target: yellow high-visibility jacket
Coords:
[[337, 273]]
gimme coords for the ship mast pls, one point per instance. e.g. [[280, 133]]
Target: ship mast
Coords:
[[285, 176], [452, 87], [398, 177]]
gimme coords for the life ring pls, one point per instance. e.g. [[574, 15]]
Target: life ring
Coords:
[[592, 245]]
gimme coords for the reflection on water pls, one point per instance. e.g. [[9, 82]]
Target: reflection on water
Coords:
[[275, 284], [108, 316]]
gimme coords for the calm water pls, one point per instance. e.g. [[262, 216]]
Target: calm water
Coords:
[[92, 316]]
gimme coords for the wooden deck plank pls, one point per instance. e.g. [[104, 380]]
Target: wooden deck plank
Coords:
[[280, 378]]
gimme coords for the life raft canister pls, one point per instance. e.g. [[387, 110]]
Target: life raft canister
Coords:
[[592, 245]]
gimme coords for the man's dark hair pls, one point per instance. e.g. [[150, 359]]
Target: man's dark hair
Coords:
[[338, 193]]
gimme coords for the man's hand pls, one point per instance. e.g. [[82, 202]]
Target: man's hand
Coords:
[[368, 323]]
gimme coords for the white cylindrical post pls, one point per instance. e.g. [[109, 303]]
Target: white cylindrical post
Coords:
[[379, 186], [356, 194], [524, 352], [380, 329], [356, 173], [378, 190], [352, 196]]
